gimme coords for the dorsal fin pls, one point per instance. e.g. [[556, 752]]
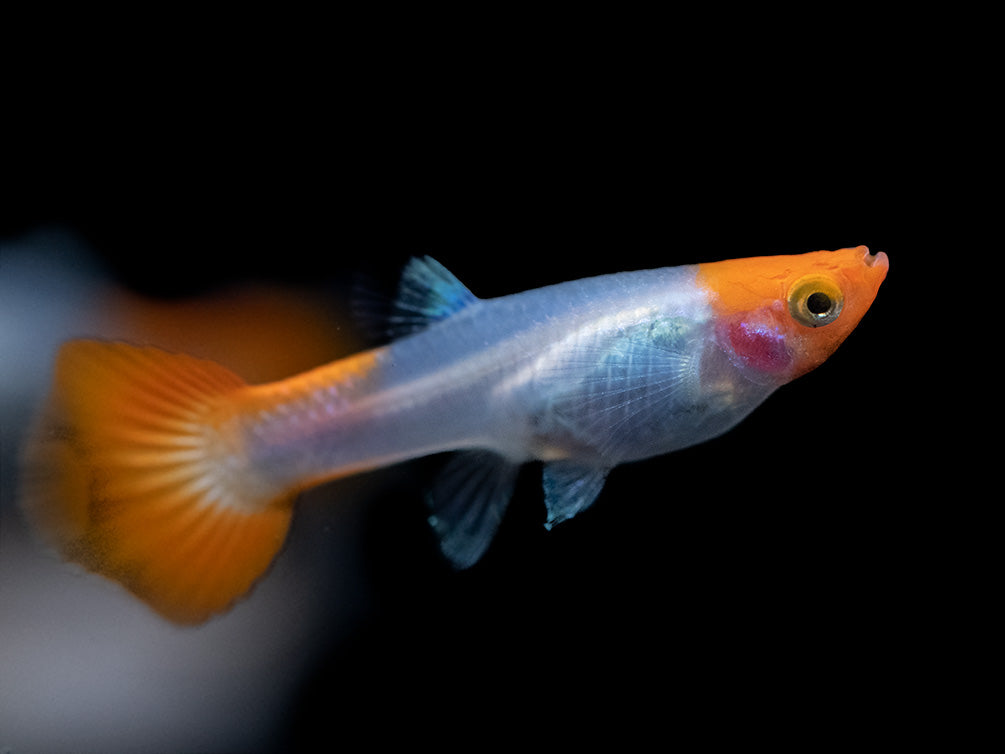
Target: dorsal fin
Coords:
[[427, 293]]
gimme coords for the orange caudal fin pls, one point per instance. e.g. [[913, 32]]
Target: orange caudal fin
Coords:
[[134, 470]]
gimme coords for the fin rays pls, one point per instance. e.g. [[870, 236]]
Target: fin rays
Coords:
[[611, 395], [126, 473], [467, 503], [570, 488], [428, 293]]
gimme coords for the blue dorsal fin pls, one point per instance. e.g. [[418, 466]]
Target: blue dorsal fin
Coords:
[[467, 503], [427, 293], [570, 488]]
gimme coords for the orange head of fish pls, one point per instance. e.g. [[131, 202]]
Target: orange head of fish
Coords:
[[779, 317]]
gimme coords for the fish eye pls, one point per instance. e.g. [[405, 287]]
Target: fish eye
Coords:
[[819, 303], [815, 300]]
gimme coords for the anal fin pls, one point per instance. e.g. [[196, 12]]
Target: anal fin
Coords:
[[467, 503], [570, 488]]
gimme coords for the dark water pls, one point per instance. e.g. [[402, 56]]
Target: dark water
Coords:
[[775, 577]]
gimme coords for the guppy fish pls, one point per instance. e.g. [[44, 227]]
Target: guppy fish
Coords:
[[173, 476]]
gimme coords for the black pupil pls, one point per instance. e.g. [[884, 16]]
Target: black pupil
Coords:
[[818, 303]]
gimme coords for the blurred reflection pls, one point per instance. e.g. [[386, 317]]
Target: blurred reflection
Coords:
[[85, 666]]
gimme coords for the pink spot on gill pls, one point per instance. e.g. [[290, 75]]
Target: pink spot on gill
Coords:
[[759, 347]]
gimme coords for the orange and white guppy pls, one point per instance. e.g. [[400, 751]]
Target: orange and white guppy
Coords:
[[173, 476]]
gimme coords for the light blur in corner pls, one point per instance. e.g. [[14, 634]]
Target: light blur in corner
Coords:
[[83, 664]]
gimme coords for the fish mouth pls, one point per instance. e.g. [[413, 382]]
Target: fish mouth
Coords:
[[879, 259]]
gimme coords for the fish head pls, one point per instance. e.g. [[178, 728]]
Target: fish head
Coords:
[[779, 317]]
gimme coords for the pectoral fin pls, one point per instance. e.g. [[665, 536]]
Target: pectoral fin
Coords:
[[570, 488]]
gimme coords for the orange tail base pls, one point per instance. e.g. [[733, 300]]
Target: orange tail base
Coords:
[[129, 472]]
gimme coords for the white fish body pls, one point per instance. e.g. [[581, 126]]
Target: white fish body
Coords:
[[137, 444]]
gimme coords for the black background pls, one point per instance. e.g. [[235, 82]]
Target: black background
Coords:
[[794, 569]]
